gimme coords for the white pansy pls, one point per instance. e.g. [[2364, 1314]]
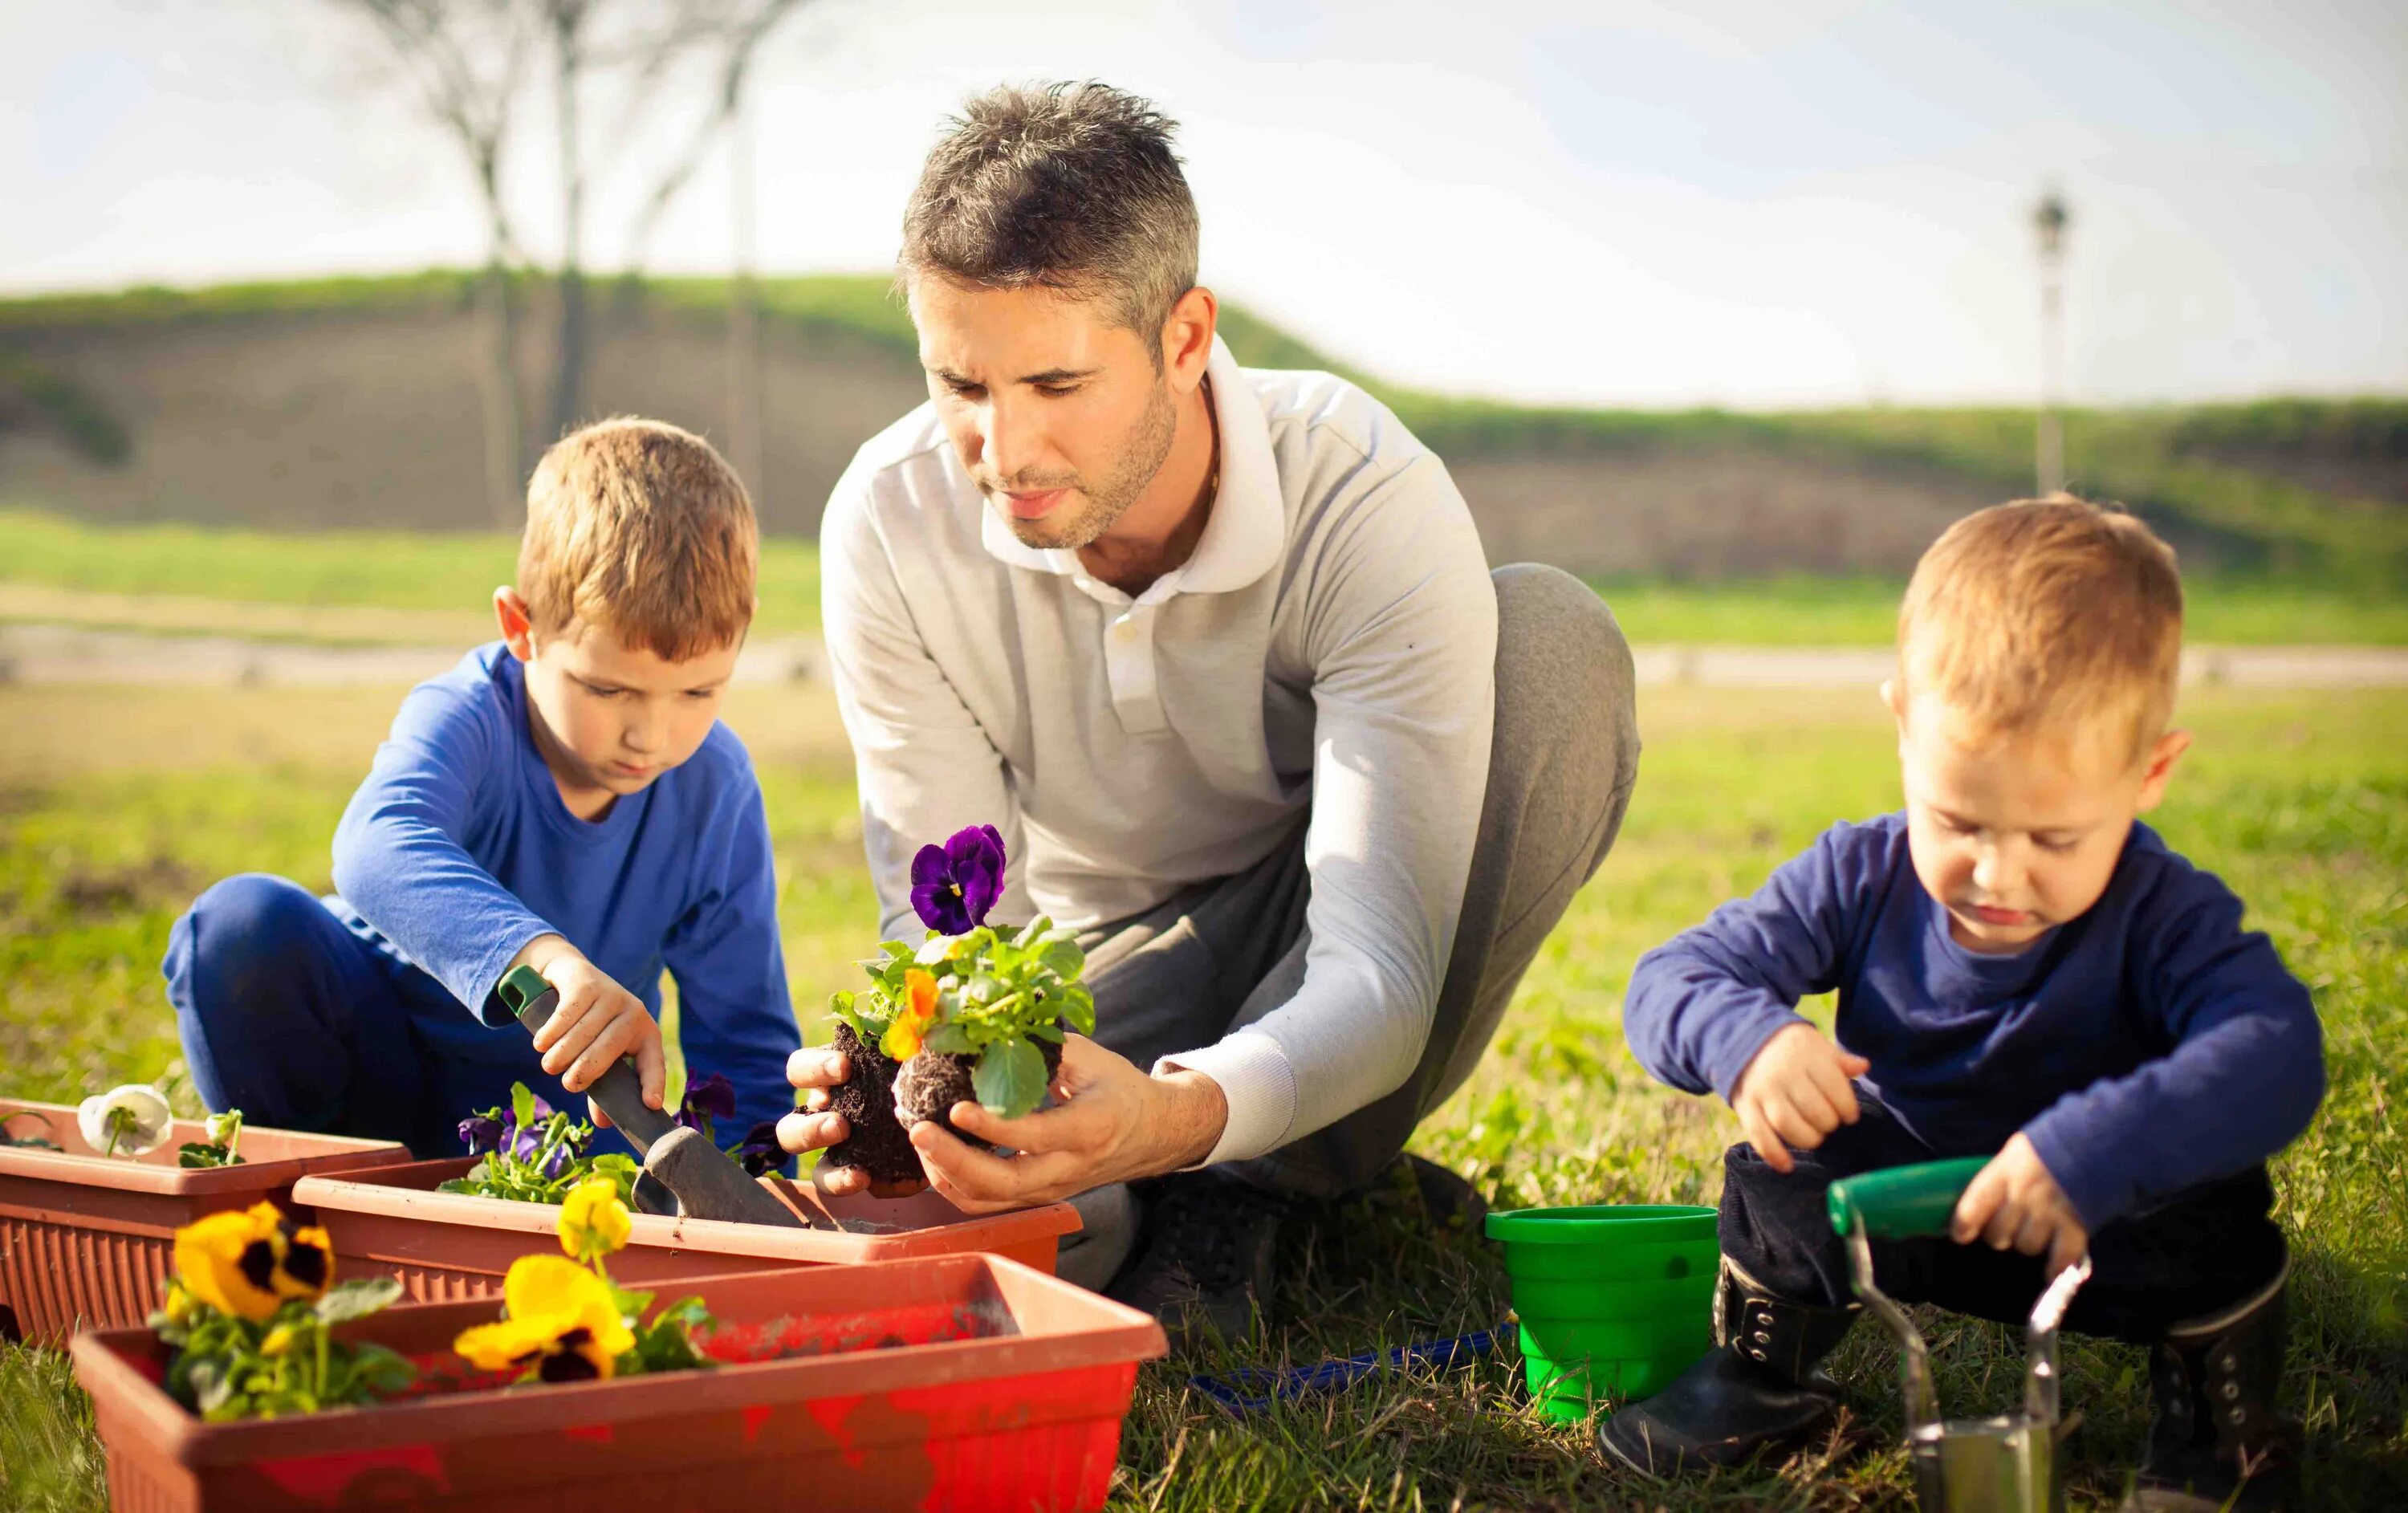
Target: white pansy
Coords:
[[139, 1114]]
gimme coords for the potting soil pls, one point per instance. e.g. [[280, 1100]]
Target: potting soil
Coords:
[[874, 1140], [930, 1084]]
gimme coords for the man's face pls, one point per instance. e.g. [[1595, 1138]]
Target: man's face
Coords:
[[2015, 835], [612, 717], [1058, 415]]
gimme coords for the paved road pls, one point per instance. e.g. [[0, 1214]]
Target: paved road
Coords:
[[51, 653]]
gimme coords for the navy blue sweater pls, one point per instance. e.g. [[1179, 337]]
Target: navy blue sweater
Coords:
[[2147, 1047], [457, 851]]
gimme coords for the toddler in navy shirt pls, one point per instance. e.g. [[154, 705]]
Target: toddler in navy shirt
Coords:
[[2025, 972]]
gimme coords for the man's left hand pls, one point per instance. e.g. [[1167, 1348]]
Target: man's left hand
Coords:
[[2014, 1202], [1115, 1124]]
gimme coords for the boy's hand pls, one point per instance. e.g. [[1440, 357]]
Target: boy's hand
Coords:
[[815, 1069], [2015, 1202], [1796, 1090], [596, 1024]]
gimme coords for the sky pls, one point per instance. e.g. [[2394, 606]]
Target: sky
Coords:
[[1755, 203]]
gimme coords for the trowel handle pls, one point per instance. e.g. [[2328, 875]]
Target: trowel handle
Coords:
[[1903, 1203], [618, 1091]]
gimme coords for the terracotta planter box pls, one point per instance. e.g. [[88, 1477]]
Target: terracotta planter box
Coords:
[[950, 1382], [446, 1244], [84, 1238]]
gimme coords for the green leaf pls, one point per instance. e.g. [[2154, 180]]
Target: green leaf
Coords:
[[1079, 1010], [1065, 959], [948, 1040], [1009, 1078], [380, 1371], [523, 1106], [357, 1299], [895, 950], [981, 988]]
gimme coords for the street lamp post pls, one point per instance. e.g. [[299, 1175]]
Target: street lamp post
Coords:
[[2049, 219]]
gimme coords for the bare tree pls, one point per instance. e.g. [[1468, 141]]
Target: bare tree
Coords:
[[468, 59]]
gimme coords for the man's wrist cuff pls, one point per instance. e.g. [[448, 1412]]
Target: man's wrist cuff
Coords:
[[1254, 1077]]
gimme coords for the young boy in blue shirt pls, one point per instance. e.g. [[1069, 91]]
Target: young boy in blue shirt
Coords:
[[2025, 972], [565, 798]]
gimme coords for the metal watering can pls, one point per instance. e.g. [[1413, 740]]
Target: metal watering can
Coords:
[[2007, 1464]]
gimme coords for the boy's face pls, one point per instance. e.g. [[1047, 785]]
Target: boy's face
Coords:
[[2015, 835], [611, 718]]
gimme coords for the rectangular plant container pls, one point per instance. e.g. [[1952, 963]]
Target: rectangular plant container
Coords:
[[946, 1382], [449, 1245], [84, 1238]]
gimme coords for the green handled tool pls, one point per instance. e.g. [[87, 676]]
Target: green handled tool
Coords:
[[706, 1184], [2003, 1465]]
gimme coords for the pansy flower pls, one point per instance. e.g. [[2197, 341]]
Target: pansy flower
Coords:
[[761, 1154], [561, 1324], [129, 1120], [593, 1221], [711, 1098], [483, 1133], [953, 885], [902, 1038], [249, 1262]]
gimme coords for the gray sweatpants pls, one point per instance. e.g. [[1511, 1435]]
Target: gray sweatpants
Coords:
[[1222, 955]]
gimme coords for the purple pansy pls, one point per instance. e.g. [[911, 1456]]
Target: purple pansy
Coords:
[[481, 1132], [710, 1098], [953, 885], [760, 1152]]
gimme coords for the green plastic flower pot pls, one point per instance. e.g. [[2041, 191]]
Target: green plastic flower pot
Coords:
[[1615, 1302]]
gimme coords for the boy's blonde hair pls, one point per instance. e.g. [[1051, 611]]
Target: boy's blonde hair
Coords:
[[2044, 611], [639, 528]]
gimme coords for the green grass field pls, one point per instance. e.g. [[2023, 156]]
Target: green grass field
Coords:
[[422, 571], [120, 805]]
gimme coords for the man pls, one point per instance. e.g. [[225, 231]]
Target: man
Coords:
[[1219, 653]]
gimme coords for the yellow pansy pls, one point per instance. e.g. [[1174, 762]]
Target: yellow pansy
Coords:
[[249, 1263], [560, 1320], [902, 1037], [593, 1220]]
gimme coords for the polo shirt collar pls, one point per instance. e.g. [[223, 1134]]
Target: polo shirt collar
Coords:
[[1248, 528]]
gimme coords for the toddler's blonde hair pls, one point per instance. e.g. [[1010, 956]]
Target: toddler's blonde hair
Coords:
[[639, 528], [2046, 612]]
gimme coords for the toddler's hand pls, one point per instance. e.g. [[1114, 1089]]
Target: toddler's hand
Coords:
[[812, 1127], [596, 1024], [1798, 1089], [2013, 1201]]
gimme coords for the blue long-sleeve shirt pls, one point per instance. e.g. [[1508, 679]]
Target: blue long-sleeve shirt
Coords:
[[2144, 1048], [458, 851]]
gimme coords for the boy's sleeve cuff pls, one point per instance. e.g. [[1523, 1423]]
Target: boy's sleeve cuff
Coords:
[[1259, 1085], [2094, 1196], [1734, 1048]]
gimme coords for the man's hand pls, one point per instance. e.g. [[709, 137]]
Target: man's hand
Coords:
[[2015, 1202], [815, 1070], [596, 1024], [1798, 1089], [1115, 1124]]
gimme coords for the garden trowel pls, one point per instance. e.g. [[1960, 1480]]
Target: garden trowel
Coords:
[[704, 1182]]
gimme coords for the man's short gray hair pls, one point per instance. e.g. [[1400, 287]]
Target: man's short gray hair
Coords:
[[1068, 186]]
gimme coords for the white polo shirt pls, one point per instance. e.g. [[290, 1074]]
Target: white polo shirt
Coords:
[[1330, 647]]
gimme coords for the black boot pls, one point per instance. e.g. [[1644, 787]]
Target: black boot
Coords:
[[1205, 1256], [2216, 1441], [1761, 1385]]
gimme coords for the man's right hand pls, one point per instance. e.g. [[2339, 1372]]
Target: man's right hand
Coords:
[[1796, 1090], [814, 1070]]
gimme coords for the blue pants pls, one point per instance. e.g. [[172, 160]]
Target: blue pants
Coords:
[[289, 1016]]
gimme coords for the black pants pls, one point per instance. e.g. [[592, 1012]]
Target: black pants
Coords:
[[2187, 1258]]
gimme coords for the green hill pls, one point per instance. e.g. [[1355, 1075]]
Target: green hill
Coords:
[[2286, 489]]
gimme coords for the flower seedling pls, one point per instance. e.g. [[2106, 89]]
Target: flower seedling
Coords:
[[221, 1149], [26, 1142], [130, 1120], [534, 1154], [564, 1320], [971, 1012], [248, 1312]]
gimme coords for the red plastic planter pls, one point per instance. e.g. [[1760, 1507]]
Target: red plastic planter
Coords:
[[85, 1238], [446, 1245], [949, 1382]]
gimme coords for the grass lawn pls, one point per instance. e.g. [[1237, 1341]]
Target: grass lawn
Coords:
[[332, 585], [120, 805]]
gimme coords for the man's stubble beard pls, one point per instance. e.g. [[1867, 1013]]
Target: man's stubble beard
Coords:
[[1141, 457]]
